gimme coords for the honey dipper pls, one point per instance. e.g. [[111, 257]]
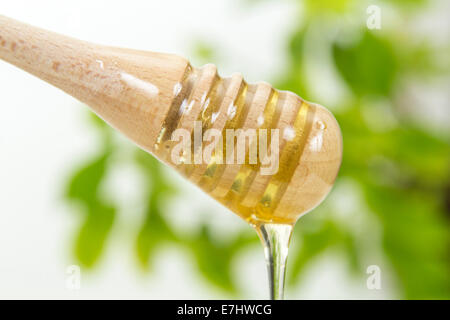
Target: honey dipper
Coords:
[[151, 97], [147, 96]]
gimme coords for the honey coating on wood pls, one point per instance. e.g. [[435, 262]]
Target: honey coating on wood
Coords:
[[310, 145]]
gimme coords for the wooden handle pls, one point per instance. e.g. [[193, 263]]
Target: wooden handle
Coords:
[[147, 96], [129, 89]]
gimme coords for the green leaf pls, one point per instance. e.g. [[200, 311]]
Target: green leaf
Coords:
[[368, 66], [154, 232], [84, 184], [316, 7], [92, 236]]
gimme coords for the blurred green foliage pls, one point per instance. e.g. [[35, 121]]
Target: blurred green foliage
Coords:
[[402, 172], [373, 51]]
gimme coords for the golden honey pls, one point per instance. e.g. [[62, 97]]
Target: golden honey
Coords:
[[307, 139]]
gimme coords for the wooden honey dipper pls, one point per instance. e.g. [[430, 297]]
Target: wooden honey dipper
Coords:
[[148, 96]]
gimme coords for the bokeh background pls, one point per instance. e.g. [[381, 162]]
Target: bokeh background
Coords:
[[73, 192]]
